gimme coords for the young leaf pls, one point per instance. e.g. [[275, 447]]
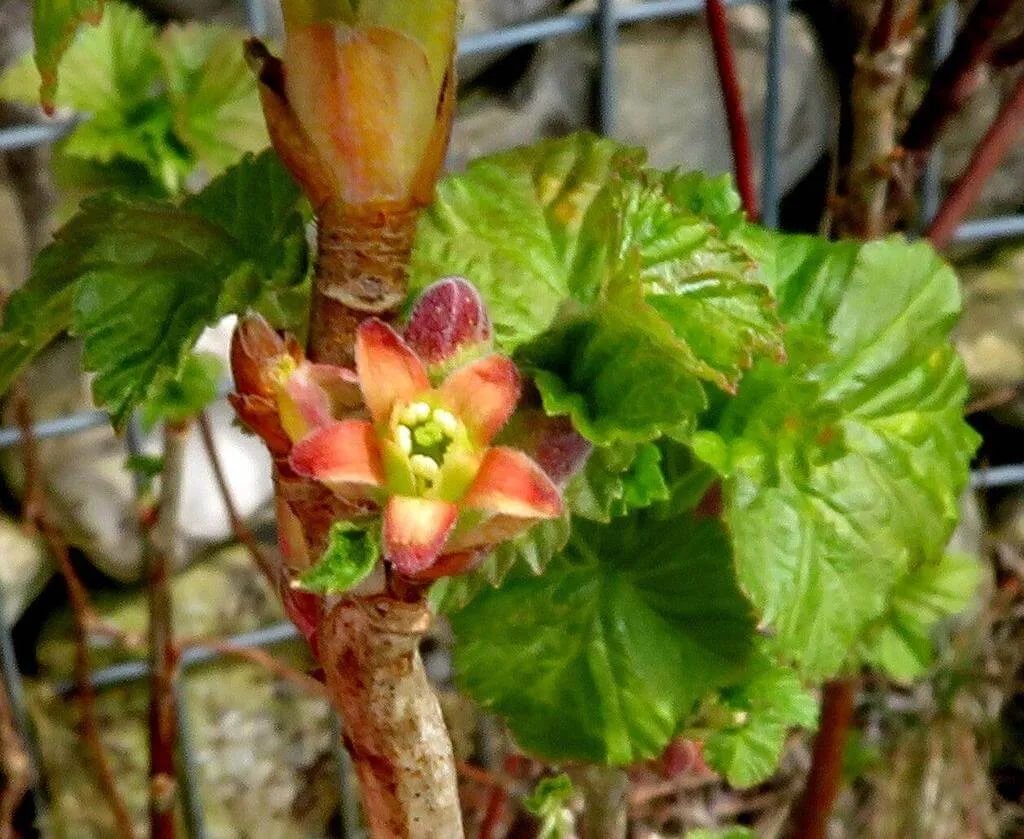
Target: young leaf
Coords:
[[352, 553], [723, 833], [629, 627], [111, 76], [178, 396], [549, 802], [900, 641], [865, 421], [765, 707], [54, 24], [533, 550], [140, 279], [617, 371], [511, 225], [216, 109]]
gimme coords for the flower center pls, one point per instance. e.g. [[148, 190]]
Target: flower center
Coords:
[[424, 434]]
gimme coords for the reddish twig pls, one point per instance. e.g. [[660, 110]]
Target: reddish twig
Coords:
[[732, 97], [497, 805], [163, 549], [18, 771], [819, 796], [80, 609], [951, 82], [998, 140], [239, 528]]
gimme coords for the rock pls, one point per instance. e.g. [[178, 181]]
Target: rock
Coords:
[[262, 749], [24, 569], [667, 95], [990, 335], [91, 492]]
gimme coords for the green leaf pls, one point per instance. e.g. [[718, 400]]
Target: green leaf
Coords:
[[140, 279], [532, 549], [900, 642], [351, 555], [511, 225], [702, 285], [111, 74], [54, 24], [618, 372], [627, 630], [216, 109], [615, 480], [549, 802], [866, 420], [763, 709], [177, 396]]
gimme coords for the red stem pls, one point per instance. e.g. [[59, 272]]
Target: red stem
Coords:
[[815, 806], [732, 96], [946, 92], [81, 609], [998, 140]]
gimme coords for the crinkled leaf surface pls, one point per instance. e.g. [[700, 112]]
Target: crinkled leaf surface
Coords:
[[900, 641], [179, 395], [139, 279], [765, 707], [844, 468], [532, 549], [511, 225], [660, 301], [351, 555], [627, 629]]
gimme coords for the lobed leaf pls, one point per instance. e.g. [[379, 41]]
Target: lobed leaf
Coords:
[[769, 702], [628, 628], [54, 24], [139, 279], [844, 468]]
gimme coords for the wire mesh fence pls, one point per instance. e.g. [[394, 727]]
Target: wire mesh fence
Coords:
[[604, 25]]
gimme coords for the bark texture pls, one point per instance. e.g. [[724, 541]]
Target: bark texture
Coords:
[[362, 270], [394, 730]]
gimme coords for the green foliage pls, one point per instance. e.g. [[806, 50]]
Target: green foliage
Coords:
[[900, 641], [659, 300], [54, 24], [843, 467], [627, 630], [532, 549], [162, 103], [139, 279], [352, 553], [549, 802], [177, 396], [759, 713]]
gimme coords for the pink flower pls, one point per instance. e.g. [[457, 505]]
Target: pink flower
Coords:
[[426, 453], [422, 452]]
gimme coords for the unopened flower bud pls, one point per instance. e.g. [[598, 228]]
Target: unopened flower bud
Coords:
[[449, 325]]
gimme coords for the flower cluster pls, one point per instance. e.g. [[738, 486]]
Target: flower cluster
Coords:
[[410, 432]]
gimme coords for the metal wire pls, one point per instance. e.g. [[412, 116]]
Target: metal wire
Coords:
[[604, 24]]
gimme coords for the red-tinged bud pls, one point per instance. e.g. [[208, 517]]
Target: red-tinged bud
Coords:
[[360, 109], [256, 350], [449, 326], [558, 448]]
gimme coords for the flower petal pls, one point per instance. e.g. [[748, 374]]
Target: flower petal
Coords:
[[389, 371], [415, 530], [483, 395], [451, 565], [340, 455], [511, 484]]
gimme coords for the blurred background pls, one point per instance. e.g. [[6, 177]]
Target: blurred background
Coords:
[[944, 758]]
